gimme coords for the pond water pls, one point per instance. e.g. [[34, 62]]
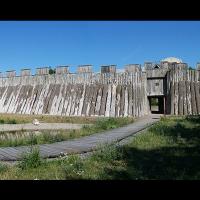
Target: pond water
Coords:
[[13, 135]]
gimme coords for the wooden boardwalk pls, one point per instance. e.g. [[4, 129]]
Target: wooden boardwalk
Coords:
[[80, 145]]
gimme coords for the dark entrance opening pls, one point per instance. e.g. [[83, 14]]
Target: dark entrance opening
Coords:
[[156, 104]]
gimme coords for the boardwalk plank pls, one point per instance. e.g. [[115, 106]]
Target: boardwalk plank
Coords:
[[80, 145]]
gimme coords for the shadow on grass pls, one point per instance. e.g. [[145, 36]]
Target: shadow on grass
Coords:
[[179, 132], [159, 164], [179, 161], [193, 119]]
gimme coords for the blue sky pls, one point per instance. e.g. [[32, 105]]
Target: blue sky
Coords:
[[32, 44]]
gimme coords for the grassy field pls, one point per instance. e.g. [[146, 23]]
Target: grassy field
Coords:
[[19, 138], [170, 150], [20, 119]]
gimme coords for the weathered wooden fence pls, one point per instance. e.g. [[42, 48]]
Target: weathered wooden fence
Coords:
[[183, 92], [81, 94]]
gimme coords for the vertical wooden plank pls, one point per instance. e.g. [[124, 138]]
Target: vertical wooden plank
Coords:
[[3, 93], [189, 107], [8, 95], [87, 90], [15, 98], [9, 106], [172, 98], [194, 107], [184, 99], [98, 103], [108, 102], [134, 97], [52, 99], [36, 97], [94, 99], [73, 100], [126, 102], [70, 100], [46, 99], [89, 100], [117, 102], [130, 101], [26, 96], [81, 100], [122, 96], [56, 99], [60, 103], [168, 99], [103, 100], [21, 99], [197, 88], [193, 75], [66, 99], [78, 97], [28, 102], [140, 97], [176, 98], [112, 108], [180, 102]]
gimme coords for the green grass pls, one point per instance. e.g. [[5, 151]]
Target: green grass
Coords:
[[47, 137], [8, 121], [169, 150], [20, 119], [31, 159], [3, 167]]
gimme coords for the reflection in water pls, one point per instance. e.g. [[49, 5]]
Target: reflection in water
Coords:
[[14, 135]]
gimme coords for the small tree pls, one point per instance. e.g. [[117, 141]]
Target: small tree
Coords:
[[190, 68], [52, 71]]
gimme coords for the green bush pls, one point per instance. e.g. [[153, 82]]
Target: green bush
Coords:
[[3, 167], [52, 71], [12, 121], [30, 160], [2, 121], [110, 123], [108, 152], [73, 167]]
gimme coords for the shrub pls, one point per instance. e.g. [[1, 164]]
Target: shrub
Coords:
[[3, 167], [12, 121], [52, 71], [58, 137], [108, 152], [33, 139], [30, 160], [2, 121], [107, 123], [73, 167]]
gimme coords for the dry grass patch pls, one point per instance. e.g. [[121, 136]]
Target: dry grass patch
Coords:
[[20, 119]]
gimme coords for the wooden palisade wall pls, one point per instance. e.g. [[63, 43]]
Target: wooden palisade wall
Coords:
[[183, 92], [81, 94]]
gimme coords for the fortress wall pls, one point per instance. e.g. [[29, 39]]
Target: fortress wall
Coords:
[[82, 94], [183, 92]]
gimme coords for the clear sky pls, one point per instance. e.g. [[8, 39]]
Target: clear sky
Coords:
[[32, 44]]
